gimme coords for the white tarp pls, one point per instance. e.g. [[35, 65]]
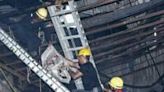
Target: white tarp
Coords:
[[55, 64]]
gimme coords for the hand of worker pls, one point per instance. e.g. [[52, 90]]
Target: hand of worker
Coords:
[[71, 63], [75, 74]]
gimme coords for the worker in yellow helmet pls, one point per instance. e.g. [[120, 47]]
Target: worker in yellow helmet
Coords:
[[84, 55], [116, 85], [42, 13], [89, 75], [38, 15]]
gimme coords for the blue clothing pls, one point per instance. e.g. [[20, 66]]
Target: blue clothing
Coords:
[[89, 78], [26, 33]]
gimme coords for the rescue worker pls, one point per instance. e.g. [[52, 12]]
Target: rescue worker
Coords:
[[24, 29], [41, 14], [89, 75], [115, 84]]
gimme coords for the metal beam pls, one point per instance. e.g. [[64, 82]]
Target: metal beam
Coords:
[[119, 14], [116, 49], [138, 63], [136, 51], [124, 59], [111, 26], [16, 73], [141, 69], [125, 32], [12, 65], [97, 4], [130, 51], [123, 43], [80, 9], [21, 77]]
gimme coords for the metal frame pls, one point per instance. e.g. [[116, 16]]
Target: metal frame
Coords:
[[69, 51], [31, 63]]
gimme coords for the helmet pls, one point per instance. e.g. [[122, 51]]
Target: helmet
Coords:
[[85, 52], [42, 13], [116, 83]]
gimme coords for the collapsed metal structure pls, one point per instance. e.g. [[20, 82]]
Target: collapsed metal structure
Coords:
[[118, 31]]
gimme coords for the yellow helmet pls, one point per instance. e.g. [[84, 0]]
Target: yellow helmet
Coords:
[[116, 83], [42, 13], [85, 52]]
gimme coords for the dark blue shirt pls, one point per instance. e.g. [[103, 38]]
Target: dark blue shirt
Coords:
[[89, 78]]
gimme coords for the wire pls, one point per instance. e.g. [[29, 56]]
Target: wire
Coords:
[[143, 86], [146, 86], [137, 86], [156, 68], [10, 85]]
